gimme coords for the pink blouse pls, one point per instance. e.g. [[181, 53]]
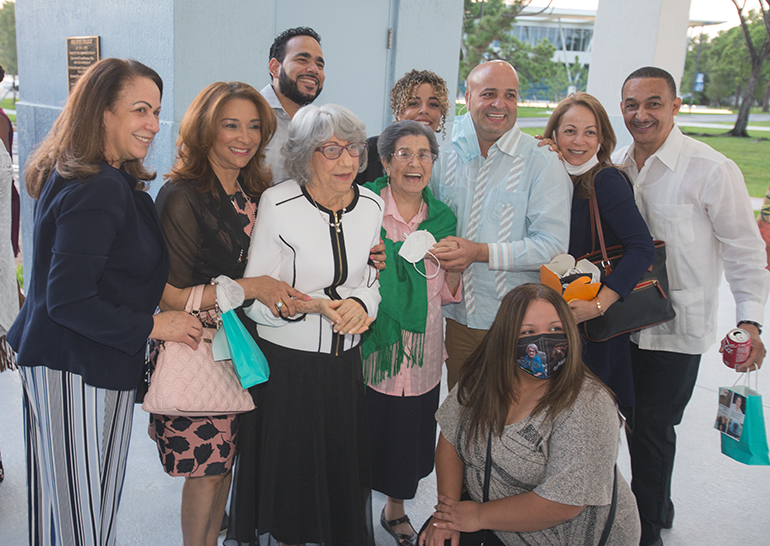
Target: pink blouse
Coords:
[[416, 380]]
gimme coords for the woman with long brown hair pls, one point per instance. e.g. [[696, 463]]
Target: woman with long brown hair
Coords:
[[99, 266], [581, 129], [207, 210], [552, 439]]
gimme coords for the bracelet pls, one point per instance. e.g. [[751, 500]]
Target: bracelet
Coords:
[[599, 307], [214, 284], [758, 325]]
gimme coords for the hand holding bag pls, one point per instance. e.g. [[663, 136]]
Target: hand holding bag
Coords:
[[190, 382], [647, 305], [751, 447], [248, 360]]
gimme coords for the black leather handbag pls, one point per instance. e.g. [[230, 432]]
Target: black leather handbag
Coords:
[[647, 305]]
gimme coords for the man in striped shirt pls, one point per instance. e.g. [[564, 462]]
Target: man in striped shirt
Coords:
[[512, 201]]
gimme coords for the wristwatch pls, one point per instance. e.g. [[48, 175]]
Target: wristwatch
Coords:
[[758, 325]]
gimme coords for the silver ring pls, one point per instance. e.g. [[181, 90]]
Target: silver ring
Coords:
[[358, 317], [279, 305]]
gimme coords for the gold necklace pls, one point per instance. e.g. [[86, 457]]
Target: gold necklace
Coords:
[[336, 225]]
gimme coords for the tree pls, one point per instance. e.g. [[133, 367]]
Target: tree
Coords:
[[758, 56], [8, 38], [487, 35], [485, 22]]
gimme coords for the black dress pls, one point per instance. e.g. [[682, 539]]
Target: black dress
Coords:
[[374, 168], [623, 224], [206, 238]]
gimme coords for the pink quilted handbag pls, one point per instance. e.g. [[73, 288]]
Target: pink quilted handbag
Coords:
[[190, 382]]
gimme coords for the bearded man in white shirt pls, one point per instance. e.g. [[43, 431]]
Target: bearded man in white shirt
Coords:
[[693, 198], [297, 69]]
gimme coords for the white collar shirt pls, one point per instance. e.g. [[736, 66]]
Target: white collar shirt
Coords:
[[695, 199], [273, 155]]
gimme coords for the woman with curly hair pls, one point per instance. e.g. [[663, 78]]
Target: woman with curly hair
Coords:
[[420, 95]]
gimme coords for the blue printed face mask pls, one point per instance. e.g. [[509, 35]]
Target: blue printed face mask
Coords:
[[541, 355]]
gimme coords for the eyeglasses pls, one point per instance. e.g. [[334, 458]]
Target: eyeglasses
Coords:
[[406, 156], [333, 151]]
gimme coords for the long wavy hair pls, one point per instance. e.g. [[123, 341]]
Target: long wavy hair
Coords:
[[584, 184], [75, 144], [198, 132], [490, 378]]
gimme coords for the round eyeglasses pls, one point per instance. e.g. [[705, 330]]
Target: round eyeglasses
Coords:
[[406, 156], [334, 151]]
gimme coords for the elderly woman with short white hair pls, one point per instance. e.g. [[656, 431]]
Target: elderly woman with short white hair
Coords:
[[310, 442]]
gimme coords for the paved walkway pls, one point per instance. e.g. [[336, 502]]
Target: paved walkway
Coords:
[[718, 500]]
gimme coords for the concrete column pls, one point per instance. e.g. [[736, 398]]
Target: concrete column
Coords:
[[629, 34]]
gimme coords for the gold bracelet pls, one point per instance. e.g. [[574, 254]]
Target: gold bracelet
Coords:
[[599, 307]]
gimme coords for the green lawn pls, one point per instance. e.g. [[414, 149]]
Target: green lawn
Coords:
[[533, 130], [9, 104], [731, 124], [751, 154], [522, 111]]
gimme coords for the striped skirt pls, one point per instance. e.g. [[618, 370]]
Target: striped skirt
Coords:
[[76, 441]]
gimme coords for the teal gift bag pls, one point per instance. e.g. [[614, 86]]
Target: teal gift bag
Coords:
[[248, 360], [751, 445]]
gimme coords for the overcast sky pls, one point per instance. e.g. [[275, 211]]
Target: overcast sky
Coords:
[[712, 10]]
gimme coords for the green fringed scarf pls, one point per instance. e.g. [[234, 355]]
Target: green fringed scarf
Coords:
[[403, 310]]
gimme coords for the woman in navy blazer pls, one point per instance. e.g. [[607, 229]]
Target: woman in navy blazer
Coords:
[[99, 267], [581, 129]]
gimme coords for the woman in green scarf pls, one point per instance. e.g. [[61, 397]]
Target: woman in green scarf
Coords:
[[404, 348]]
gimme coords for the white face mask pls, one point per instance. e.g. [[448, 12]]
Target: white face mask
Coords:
[[577, 170], [416, 246]]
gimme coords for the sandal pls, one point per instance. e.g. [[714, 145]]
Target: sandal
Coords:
[[401, 540]]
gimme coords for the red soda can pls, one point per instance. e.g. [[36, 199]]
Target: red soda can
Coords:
[[736, 347]]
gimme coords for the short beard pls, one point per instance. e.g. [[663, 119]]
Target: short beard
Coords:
[[290, 90]]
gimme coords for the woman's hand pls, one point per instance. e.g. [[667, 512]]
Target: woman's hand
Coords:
[[270, 291], [434, 536], [377, 255], [177, 326], [588, 309], [548, 142], [353, 318], [584, 310], [347, 316], [454, 515]]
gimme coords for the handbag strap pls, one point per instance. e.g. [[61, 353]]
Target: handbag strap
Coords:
[[193, 305], [488, 467], [596, 223], [611, 515], [487, 473]]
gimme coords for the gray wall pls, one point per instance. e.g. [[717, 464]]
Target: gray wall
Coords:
[[192, 43]]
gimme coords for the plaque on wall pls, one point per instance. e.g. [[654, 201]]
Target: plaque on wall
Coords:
[[82, 52]]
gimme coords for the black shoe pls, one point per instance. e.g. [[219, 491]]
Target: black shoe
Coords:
[[669, 523], [401, 540]]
